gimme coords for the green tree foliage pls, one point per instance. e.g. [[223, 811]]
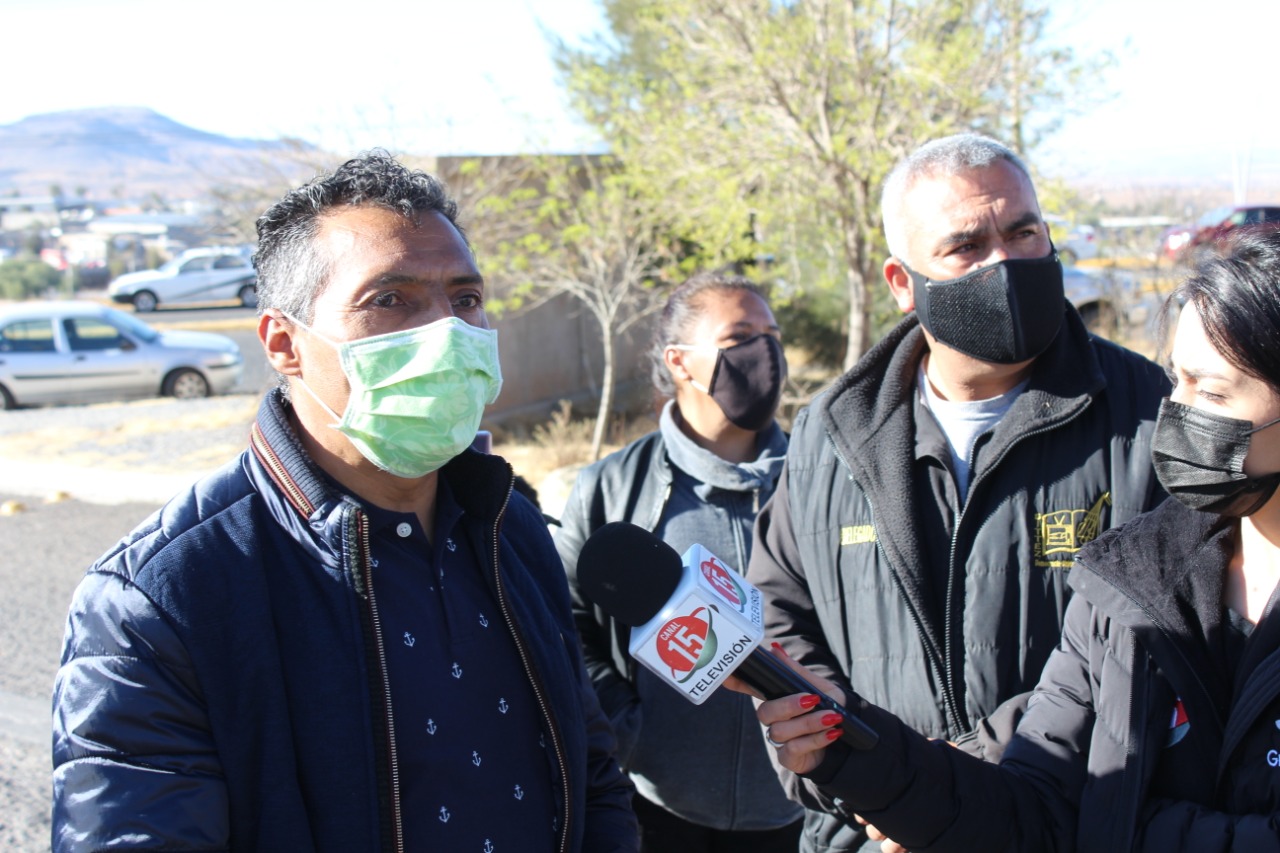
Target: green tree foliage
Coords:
[[24, 278], [574, 228], [768, 126]]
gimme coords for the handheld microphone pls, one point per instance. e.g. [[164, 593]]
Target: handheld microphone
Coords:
[[693, 621]]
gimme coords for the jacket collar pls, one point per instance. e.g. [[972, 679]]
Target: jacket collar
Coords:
[[1163, 576], [874, 397], [710, 470], [481, 483], [1161, 563]]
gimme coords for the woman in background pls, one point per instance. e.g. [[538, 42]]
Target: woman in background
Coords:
[[702, 772]]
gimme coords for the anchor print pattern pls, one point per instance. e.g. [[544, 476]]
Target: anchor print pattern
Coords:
[[481, 721]]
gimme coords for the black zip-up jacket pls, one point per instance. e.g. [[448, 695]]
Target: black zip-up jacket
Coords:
[[223, 686], [1140, 636], [842, 555]]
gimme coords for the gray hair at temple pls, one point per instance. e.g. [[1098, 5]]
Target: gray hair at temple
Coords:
[[950, 155]]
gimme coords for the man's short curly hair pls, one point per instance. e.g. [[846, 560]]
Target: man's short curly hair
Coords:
[[291, 271]]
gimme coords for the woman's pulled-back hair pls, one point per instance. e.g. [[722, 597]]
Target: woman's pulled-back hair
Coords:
[[681, 313]]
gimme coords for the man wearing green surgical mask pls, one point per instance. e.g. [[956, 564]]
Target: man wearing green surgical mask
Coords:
[[357, 636]]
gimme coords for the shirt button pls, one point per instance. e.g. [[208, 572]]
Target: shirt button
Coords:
[[403, 529]]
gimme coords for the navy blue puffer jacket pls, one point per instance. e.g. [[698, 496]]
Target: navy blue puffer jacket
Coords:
[[220, 686]]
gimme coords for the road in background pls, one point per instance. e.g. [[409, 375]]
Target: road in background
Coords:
[[47, 547], [239, 324]]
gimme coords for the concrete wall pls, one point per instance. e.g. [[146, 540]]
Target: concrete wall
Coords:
[[553, 352]]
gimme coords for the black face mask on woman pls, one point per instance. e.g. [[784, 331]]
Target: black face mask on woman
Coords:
[[747, 381], [1005, 313], [1199, 459]]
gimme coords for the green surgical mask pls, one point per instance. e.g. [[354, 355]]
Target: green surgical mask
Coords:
[[416, 395]]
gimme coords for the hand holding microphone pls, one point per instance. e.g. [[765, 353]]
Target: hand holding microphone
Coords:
[[694, 623]]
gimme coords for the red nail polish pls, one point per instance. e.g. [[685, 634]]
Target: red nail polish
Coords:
[[830, 719], [832, 734], [777, 647], [809, 701]]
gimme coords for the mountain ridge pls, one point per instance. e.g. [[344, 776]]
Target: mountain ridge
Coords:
[[134, 151]]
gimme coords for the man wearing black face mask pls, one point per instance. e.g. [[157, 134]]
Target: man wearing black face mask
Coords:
[[933, 498]]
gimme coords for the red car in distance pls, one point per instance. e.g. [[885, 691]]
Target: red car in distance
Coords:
[[1182, 242]]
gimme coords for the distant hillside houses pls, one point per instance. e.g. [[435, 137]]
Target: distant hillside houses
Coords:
[[79, 232]]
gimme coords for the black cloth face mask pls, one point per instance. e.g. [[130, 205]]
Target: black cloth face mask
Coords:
[[1199, 459], [747, 381], [1004, 313]]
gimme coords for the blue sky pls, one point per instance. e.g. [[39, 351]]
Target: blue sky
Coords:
[[1191, 87]]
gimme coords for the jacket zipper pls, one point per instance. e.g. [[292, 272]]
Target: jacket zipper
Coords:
[[947, 699], [949, 607], [1134, 752], [659, 507], [273, 463], [362, 525], [532, 676], [282, 478]]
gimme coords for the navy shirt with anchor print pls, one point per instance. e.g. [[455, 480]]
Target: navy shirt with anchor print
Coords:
[[474, 757]]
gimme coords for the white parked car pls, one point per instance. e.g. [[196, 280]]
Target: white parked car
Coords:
[[1081, 244], [83, 352], [1101, 296], [197, 275], [1074, 243]]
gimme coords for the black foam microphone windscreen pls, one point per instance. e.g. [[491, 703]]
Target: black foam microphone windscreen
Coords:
[[622, 550]]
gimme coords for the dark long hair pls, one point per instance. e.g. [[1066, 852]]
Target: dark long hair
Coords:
[[1236, 292]]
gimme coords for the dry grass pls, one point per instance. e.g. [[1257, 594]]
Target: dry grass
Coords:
[[550, 458]]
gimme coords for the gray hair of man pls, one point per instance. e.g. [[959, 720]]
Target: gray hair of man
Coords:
[[950, 155], [291, 271]]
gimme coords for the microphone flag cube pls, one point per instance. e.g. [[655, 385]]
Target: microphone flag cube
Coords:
[[706, 629]]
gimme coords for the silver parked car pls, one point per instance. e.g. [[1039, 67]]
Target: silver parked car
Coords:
[[197, 275], [1103, 297], [83, 352]]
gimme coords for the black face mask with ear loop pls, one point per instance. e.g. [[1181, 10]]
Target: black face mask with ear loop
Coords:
[[1004, 313], [1199, 459], [747, 381]]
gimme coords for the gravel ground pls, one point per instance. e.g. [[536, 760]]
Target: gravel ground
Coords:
[[161, 435], [73, 481]]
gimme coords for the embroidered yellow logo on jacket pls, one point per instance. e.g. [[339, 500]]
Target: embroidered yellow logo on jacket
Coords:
[[857, 534], [1060, 534]]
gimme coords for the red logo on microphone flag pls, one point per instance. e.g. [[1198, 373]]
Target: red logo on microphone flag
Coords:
[[687, 643], [722, 580]]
